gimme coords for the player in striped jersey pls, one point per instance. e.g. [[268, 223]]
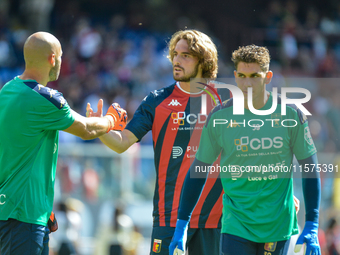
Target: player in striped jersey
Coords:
[[172, 113], [258, 212]]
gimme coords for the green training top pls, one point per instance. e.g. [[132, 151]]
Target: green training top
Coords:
[[256, 168], [30, 116]]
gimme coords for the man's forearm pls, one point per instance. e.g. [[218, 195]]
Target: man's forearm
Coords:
[[97, 126], [88, 128], [118, 141], [113, 140], [311, 187]]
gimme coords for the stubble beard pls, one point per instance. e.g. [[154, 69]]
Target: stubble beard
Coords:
[[54, 73], [187, 78]]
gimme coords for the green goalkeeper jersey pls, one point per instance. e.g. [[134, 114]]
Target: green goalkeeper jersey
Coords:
[[256, 168], [30, 117]]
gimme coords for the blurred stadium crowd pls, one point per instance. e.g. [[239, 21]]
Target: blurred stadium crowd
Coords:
[[122, 57]]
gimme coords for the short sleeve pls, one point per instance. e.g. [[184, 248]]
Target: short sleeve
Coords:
[[50, 110], [302, 142], [142, 120]]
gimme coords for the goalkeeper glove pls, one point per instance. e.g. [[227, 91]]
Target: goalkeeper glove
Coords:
[[309, 236], [177, 245], [52, 223], [119, 117]]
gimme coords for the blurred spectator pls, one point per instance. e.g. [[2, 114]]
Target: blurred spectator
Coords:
[[118, 235], [322, 242], [87, 41], [333, 237], [37, 13], [91, 184], [65, 240], [6, 52]]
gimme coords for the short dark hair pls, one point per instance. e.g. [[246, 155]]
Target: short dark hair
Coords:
[[252, 54]]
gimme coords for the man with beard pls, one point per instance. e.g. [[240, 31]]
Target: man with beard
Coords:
[[31, 115], [168, 113]]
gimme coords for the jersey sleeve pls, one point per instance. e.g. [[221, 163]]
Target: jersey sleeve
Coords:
[[50, 111], [142, 120], [209, 148], [302, 142]]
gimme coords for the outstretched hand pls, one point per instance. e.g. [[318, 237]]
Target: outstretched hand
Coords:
[[91, 113], [119, 116], [115, 114]]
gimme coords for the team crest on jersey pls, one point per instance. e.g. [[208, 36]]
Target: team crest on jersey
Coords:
[[277, 117], [270, 246], [157, 244]]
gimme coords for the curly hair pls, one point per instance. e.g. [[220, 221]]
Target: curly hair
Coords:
[[201, 46], [252, 54]]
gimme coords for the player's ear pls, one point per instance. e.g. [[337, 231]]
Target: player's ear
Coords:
[[51, 59], [269, 76]]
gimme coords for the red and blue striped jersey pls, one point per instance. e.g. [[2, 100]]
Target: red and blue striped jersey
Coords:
[[175, 119]]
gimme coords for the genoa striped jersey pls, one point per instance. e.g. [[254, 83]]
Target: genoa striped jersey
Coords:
[[176, 121]]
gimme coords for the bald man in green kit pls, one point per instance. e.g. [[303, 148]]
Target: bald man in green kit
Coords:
[[31, 115]]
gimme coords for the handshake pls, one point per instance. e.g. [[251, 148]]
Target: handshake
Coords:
[[116, 115]]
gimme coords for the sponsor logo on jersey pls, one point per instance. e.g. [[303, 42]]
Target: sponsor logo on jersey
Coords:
[[191, 118], [192, 148], [174, 102], [157, 244], [236, 172], [177, 151], [2, 199], [264, 143], [270, 246]]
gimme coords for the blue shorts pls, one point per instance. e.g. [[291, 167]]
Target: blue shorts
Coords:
[[231, 245], [200, 241], [22, 238]]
